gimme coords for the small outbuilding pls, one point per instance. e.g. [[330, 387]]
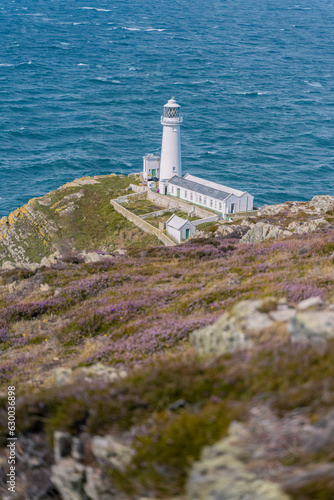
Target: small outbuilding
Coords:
[[179, 229]]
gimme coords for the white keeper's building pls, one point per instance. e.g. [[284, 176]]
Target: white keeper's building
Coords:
[[167, 170]]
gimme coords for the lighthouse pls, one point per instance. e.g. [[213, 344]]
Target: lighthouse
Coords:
[[170, 163]]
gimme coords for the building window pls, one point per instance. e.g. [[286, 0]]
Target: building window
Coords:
[[191, 196], [200, 199], [174, 169], [220, 206], [211, 203], [172, 189], [215, 204], [185, 194], [204, 201]]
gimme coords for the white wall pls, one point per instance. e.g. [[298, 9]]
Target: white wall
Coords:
[[171, 151], [149, 164], [241, 203], [180, 234], [199, 199], [174, 233]]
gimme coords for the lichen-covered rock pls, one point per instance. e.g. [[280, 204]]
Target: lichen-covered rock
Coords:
[[312, 326], [111, 450], [223, 336], [263, 231], [222, 475], [310, 302], [93, 257], [301, 227], [69, 478], [62, 376], [98, 486], [323, 203], [232, 330]]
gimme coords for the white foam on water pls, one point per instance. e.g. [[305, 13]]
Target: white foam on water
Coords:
[[155, 29], [313, 84], [130, 29], [95, 8], [82, 64], [6, 65]]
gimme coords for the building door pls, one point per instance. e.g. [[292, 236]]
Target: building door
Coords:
[[154, 172], [165, 189], [178, 193], [187, 233], [232, 208]]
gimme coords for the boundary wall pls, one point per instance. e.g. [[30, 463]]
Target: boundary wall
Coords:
[[207, 219], [138, 189], [158, 213], [142, 224]]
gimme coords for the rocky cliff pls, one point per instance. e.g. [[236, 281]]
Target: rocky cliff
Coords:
[[202, 371]]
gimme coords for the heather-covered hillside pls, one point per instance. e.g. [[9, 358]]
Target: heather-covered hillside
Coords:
[[130, 362]]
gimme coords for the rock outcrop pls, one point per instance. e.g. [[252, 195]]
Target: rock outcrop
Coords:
[[246, 325], [263, 231], [221, 474]]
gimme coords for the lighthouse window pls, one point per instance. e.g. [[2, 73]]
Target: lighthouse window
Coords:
[[171, 112], [174, 169]]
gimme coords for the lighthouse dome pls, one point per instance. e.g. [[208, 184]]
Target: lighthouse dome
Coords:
[[172, 109]]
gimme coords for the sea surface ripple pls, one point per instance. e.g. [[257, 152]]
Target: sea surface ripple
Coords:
[[82, 84]]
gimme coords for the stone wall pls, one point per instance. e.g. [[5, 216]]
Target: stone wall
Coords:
[[169, 202], [138, 189], [142, 224], [207, 219], [158, 213], [132, 197]]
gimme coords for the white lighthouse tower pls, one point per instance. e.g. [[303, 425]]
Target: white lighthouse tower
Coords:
[[170, 163]]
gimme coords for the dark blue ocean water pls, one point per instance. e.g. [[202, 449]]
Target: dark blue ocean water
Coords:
[[82, 85]]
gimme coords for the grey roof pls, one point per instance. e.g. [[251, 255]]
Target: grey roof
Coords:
[[198, 188], [176, 222]]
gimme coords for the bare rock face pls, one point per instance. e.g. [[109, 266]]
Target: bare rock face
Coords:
[[263, 231]]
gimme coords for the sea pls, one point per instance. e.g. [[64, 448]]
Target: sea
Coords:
[[83, 84]]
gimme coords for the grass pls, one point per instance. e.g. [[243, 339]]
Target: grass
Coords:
[[137, 311], [213, 394], [141, 207]]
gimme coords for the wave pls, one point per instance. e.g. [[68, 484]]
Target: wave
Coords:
[[96, 8], [313, 84]]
